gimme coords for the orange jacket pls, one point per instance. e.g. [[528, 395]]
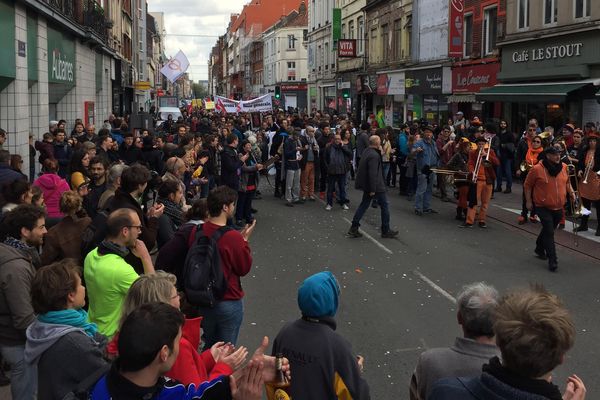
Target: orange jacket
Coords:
[[487, 174], [548, 191]]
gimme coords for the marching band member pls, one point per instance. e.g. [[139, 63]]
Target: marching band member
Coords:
[[528, 152], [485, 179], [458, 162], [589, 184], [546, 188]]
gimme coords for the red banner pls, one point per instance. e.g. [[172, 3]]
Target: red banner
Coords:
[[347, 48], [472, 78], [382, 85], [455, 31]]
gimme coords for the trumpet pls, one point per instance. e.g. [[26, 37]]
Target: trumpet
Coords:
[[525, 166], [588, 168]]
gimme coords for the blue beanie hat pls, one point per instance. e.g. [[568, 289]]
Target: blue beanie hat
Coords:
[[318, 295]]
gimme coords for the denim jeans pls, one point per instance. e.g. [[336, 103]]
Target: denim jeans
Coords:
[[545, 241], [424, 191], [340, 181], [504, 170], [222, 322], [23, 376], [364, 206]]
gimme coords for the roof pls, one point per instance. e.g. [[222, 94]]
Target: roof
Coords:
[[262, 14]]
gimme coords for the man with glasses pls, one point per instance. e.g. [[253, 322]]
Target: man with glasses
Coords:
[[107, 275], [528, 152], [90, 134]]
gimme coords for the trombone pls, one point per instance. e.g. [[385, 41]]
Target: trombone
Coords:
[[480, 159], [576, 207]]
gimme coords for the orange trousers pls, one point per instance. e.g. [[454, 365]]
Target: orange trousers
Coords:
[[307, 180], [463, 196], [484, 194]]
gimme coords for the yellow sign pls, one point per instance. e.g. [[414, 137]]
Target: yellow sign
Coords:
[[197, 103], [209, 105], [142, 85]]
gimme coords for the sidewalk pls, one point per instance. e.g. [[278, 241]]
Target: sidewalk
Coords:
[[506, 208]]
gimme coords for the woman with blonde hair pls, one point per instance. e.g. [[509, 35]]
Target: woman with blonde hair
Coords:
[[63, 240], [190, 367]]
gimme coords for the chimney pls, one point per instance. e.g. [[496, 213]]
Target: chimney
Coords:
[[302, 8]]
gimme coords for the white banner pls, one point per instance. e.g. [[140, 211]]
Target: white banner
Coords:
[[260, 104], [175, 67]]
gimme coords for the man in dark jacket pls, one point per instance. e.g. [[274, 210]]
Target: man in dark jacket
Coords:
[[336, 158], [369, 179], [291, 165], [323, 139], [62, 153], [534, 331], [7, 174], [277, 149], [362, 141], [322, 360], [231, 163], [24, 229]]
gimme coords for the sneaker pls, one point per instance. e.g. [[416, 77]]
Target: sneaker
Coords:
[[522, 220], [533, 219], [345, 207], [312, 198], [354, 233], [465, 225], [507, 191], [328, 207], [482, 225], [541, 254], [288, 204], [299, 201], [419, 213], [498, 189], [430, 211], [552, 266], [389, 234]]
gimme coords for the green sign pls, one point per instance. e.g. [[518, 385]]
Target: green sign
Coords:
[[336, 27], [8, 70], [61, 58], [32, 45], [312, 91], [567, 56]]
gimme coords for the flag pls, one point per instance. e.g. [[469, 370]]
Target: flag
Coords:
[[175, 67], [220, 107]]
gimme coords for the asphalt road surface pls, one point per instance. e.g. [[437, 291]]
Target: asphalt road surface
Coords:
[[397, 295]]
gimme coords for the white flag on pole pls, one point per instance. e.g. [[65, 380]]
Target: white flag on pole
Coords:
[[175, 67]]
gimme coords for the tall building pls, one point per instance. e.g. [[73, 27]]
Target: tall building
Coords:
[[550, 67], [321, 56], [58, 62]]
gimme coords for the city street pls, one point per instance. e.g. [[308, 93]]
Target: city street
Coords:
[[397, 295]]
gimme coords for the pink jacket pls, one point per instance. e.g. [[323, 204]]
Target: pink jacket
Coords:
[[53, 186]]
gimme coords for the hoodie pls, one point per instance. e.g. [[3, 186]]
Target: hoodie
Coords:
[[53, 186], [322, 361], [79, 355]]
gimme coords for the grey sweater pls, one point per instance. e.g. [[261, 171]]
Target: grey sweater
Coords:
[[464, 359]]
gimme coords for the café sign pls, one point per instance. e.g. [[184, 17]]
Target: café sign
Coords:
[[548, 53]]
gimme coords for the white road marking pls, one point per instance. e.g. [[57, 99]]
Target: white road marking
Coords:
[[371, 238], [435, 287], [590, 234]]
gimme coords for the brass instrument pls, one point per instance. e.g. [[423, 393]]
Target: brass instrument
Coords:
[[525, 166], [480, 159], [459, 176], [588, 168]]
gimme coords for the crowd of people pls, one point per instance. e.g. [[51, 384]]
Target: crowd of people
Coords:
[[100, 251]]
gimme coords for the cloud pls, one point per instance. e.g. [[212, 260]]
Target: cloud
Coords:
[[206, 18]]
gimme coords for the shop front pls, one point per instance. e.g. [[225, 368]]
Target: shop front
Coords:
[[366, 88], [426, 99], [553, 79], [8, 71], [467, 81], [391, 88], [295, 95]]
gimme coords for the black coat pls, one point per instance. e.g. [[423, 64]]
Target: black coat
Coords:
[[230, 168], [369, 177]]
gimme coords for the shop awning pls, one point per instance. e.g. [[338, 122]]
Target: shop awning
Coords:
[[529, 93]]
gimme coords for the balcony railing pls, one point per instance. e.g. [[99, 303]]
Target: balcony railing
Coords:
[[87, 13]]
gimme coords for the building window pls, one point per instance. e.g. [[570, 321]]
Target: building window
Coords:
[[550, 12], [291, 65], [397, 39], [582, 8], [385, 42], [327, 55], [408, 33], [350, 29], [343, 31], [468, 36], [523, 14], [490, 26], [291, 73], [291, 42], [361, 35]]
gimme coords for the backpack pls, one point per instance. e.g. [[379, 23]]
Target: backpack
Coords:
[[84, 389], [203, 280]]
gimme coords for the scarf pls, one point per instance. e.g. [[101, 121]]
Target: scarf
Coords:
[[530, 385], [76, 318], [107, 247], [17, 244], [552, 168], [532, 155], [173, 211]]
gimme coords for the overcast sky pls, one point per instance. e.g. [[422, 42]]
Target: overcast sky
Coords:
[[195, 17]]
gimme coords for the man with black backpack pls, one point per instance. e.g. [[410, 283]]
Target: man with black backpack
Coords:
[[222, 318]]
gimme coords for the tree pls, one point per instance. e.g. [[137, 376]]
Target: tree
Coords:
[[200, 90]]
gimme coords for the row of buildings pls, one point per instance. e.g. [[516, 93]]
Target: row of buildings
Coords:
[[69, 59], [418, 59]]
